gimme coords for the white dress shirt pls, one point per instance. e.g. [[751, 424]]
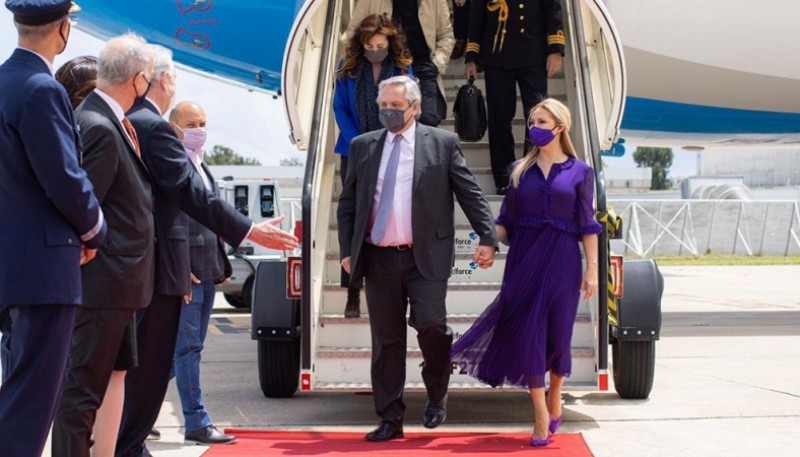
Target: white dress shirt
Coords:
[[398, 227], [119, 113]]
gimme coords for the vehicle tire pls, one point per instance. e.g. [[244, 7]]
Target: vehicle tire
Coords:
[[279, 367], [245, 300], [634, 368], [235, 301]]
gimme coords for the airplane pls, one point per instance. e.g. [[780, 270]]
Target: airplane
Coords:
[[646, 72], [699, 74]]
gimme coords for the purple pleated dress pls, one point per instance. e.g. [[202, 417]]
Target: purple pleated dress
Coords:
[[527, 329]]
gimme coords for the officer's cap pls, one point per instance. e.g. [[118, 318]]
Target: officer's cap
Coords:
[[40, 12]]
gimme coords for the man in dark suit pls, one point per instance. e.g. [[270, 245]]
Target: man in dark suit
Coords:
[[517, 43], [396, 230], [209, 266], [51, 223], [179, 194], [120, 279]]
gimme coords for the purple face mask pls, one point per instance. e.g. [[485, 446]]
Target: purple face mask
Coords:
[[541, 137]]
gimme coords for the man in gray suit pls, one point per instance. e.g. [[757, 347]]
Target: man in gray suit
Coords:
[[396, 229]]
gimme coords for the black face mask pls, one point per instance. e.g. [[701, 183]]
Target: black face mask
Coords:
[[376, 55], [140, 98], [393, 119]]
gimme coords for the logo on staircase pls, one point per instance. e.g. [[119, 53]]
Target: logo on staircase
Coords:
[[466, 245]]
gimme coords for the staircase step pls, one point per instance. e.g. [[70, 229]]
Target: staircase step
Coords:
[[466, 240], [464, 270], [462, 299], [336, 330], [473, 386], [351, 365]]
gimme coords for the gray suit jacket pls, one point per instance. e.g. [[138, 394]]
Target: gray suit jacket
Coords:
[[122, 274], [440, 172]]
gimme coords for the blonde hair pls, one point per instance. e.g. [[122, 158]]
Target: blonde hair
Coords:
[[561, 115]]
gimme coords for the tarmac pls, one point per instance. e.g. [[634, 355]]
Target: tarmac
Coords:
[[727, 381]]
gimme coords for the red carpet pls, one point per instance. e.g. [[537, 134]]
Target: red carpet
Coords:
[[271, 443]]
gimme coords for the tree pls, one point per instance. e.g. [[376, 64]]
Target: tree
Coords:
[[223, 155], [291, 162], [659, 159]]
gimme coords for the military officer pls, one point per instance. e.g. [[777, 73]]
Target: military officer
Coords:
[[51, 223], [516, 42]]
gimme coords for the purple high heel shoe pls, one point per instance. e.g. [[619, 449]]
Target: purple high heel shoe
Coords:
[[554, 424], [540, 443]]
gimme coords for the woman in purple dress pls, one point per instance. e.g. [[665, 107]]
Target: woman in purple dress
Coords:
[[527, 330]]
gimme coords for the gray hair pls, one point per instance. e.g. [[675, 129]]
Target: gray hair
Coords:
[[162, 61], [121, 59], [412, 89], [37, 32]]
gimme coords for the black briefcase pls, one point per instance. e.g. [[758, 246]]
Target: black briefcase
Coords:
[[469, 112]]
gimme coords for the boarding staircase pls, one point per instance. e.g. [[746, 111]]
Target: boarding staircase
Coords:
[[336, 351], [343, 345]]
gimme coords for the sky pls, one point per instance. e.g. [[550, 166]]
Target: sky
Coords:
[[252, 123]]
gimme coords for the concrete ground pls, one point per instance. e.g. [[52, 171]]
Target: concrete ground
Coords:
[[727, 381]]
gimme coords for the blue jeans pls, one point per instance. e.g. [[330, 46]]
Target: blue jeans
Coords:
[[191, 336]]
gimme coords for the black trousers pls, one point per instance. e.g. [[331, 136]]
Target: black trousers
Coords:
[[98, 347], [501, 105], [461, 20], [146, 385], [392, 284]]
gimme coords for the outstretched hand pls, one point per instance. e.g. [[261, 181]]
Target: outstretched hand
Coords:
[[269, 235]]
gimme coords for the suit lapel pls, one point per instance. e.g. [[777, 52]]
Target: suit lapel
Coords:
[[374, 163], [420, 158], [100, 105], [210, 177]]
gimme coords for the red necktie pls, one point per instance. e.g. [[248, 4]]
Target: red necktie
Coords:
[[131, 133]]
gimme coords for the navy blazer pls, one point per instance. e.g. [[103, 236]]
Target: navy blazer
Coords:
[[179, 194], [208, 258], [344, 110], [46, 201]]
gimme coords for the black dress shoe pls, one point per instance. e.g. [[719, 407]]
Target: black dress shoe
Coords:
[[386, 431], [501, 190], [435, 413], [208, 435], [154, 434]]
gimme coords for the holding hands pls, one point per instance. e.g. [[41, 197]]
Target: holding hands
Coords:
[[484, 256]]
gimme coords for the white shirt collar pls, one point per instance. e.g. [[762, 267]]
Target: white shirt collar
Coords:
[[408, 135], [115, 107], [49, 64]]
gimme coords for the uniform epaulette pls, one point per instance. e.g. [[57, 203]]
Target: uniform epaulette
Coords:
[[557, 38]]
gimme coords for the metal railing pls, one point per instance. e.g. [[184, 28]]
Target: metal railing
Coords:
[[697, 227]]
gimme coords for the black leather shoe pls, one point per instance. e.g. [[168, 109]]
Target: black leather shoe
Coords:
[[208, 435], [501, 190], [435, 413], [386, 431], [154, 434]]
